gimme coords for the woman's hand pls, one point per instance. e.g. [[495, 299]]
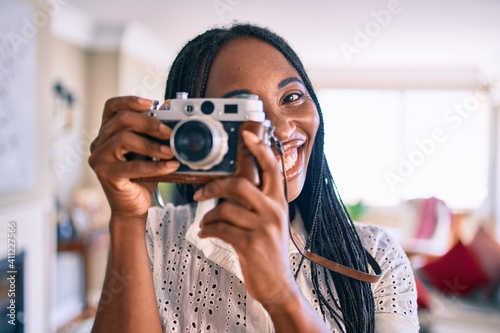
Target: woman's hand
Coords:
[[120, 133], [255, 222]]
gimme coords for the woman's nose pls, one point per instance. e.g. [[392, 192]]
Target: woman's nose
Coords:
[[284, 126]]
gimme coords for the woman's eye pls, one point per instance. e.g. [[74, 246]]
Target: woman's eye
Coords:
[[292, 97]]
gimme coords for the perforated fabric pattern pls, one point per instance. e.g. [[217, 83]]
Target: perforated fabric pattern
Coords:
[[199, 285]]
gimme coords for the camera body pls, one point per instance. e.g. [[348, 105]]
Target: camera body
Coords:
[[206, 137]]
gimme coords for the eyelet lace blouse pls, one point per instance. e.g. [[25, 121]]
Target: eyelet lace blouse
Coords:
[[199, 285]]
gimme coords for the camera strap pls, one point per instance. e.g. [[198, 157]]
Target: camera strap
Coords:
[[322, 261]]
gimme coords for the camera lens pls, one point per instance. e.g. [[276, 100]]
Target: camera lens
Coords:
[[200, 142], [193, 141]]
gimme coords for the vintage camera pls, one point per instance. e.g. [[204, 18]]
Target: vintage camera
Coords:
[[206, 137]]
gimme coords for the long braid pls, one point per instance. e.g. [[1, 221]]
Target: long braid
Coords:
[[331, 232]]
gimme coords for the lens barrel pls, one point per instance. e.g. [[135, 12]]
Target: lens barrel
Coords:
[[200, 142]]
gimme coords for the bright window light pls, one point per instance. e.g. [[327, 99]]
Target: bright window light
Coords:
[[384, 146]]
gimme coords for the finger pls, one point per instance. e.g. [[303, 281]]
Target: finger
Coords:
[[231, 213], [234, 188], [227, 232], [133, 121], [125, 142], [165, 105], [134, 103], [109, 172], [271, 175]]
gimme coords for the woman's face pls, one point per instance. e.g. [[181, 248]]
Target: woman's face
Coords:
[[250, 65]]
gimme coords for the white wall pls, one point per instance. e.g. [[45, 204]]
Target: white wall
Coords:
[[67, 150], [32, 209], [35, 237]]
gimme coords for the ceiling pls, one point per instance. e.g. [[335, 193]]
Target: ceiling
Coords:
[[418, 34]]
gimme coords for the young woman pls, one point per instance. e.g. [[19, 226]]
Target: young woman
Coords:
[[231, 267]]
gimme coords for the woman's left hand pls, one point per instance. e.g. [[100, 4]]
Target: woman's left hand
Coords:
[[255, 222]]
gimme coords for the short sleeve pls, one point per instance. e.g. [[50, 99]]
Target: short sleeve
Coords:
[[395, 294]]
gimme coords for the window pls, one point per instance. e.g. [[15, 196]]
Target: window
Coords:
[[384, 146]]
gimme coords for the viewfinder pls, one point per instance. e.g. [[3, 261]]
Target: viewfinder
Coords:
[[231, 108]]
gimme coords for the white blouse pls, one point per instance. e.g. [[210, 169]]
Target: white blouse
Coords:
[[199, 284]]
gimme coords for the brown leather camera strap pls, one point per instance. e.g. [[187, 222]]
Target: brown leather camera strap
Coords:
[[336, 267], [322, 261]]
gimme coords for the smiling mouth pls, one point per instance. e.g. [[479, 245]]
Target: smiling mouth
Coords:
[[293, 162]]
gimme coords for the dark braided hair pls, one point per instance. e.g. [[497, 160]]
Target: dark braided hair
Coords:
[[331, 232]]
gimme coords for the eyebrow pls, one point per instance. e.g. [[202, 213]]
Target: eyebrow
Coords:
[[236, 93], [283, 83], [289, 80]]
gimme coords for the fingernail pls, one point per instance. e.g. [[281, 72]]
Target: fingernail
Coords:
[[250, 136], [146, 101], [172, 164], [165, 149]]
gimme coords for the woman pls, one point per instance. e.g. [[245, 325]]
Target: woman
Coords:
[[195, 281]]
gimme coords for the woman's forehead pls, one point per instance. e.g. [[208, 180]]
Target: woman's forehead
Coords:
[[249, 61], [250, 49]]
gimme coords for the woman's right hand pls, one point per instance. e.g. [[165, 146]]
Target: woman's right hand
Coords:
[[120, 133]]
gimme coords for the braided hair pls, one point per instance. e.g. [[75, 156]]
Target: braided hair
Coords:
[[331, 232]]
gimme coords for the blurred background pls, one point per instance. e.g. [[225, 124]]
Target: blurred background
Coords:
[[410, 95]]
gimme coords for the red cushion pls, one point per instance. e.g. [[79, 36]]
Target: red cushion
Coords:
[[487, 251], [457, 272]]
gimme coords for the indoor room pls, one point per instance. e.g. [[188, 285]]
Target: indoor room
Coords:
[[410, 100]]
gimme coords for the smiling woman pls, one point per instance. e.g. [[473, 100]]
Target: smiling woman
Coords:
[[230, 265], [256, 67]]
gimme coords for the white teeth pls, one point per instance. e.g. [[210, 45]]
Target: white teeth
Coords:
[[290, 159]]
